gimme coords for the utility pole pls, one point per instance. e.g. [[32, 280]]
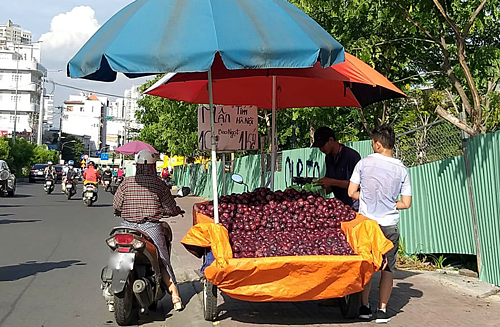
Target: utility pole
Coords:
[[60, 125], [40, 114], [17, 90]]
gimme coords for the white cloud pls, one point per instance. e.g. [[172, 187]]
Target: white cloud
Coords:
[[68, 32]]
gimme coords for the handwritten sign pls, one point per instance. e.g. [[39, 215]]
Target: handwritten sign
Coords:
[[235, 127]]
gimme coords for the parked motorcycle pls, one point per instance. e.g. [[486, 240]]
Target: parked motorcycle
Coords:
[[131, 282], [70, 188], [89, 195], [49, 185]]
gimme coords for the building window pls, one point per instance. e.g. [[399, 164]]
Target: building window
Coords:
[[81, 109], [13, 98], [69, 108], [16, 77], [12, 118]]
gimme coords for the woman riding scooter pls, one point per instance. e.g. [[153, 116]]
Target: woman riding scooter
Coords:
[[143, 200]]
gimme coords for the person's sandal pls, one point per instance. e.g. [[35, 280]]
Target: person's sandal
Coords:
[[177, 302]]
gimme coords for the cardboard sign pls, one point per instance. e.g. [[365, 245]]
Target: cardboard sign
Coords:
[[236, 128]]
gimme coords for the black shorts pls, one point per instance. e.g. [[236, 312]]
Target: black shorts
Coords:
[[392, 234]]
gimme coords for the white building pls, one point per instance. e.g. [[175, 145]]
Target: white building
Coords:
[[85, 115], [131, 107], [14, 33], [20, 73]]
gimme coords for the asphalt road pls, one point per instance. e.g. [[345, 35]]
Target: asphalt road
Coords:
[[53, 251]]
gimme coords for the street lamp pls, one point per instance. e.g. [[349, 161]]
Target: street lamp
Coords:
[[62, 147]]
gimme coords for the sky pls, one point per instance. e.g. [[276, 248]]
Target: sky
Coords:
[[64, 26]]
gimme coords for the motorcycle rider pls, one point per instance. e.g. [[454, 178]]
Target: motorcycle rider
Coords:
[[68, 173], [143, 199], [91, 175], [50, 172], [106, 176]]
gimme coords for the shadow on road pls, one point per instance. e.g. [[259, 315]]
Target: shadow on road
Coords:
[[187, 291], [17, 195], [281, 313], [16, 221], [97, 205], [6, 214], [10, 205], [313, 312], [31, 268]]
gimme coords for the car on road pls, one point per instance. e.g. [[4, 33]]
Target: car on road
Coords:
[[36, 173], [7, 180]]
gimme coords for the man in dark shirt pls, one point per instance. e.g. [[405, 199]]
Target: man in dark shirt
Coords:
[[340, 162]]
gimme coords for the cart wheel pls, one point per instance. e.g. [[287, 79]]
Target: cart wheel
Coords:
[[210, 310], [349, 305]]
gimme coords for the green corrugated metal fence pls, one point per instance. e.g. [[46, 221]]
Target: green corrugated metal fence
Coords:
[[440, 219], [484, 156]]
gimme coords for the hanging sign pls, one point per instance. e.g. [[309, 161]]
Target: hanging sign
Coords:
[[236, 128]]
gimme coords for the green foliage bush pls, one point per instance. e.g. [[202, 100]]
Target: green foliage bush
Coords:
[[23, 154]]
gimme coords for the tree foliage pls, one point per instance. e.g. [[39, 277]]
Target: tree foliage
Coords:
[[451, 45], [21, 155]]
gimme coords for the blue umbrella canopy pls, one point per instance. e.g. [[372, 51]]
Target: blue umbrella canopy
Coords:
[[157, 36]]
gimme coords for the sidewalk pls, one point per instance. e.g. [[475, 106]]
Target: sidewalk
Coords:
[[418, 298]]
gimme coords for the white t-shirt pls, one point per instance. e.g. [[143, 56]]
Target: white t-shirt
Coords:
[[382, 179]]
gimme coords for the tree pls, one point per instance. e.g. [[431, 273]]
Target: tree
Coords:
[[4, 148], [452, 45], [41, 154], [20, 154]]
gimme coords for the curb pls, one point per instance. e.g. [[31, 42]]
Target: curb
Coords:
[[468, 285]]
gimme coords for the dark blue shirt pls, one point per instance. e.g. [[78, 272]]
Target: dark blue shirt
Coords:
[[341, 167]]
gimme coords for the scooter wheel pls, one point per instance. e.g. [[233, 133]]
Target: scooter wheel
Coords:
[[126, 313]]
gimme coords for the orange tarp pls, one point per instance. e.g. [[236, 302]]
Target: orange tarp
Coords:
[[292, 278]]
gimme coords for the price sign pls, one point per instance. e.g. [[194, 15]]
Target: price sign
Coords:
[[235, 127]]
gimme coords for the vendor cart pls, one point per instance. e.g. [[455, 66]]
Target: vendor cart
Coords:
[[289, 278]]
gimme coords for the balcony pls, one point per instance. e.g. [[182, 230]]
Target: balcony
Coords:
[[9, 64]]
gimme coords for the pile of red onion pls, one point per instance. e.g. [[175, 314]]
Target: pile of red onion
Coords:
[[263, 223]]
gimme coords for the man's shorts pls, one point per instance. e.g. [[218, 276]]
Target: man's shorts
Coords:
[[392, 234]]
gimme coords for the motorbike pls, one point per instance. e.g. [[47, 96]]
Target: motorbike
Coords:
[[131, 282], [116, 182], [89, 195], [49, 185], [70, 188], [107, 185]]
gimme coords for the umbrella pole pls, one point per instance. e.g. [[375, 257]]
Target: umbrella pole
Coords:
[[273, 141], [214, 147]]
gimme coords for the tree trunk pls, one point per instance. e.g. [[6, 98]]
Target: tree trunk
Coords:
[[363, 120], [311, 134], [446, 114]]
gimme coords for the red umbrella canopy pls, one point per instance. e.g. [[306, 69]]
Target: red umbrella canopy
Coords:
[[352, 83], [134, 147]]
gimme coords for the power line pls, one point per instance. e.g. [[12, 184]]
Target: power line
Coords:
[[90, 91]]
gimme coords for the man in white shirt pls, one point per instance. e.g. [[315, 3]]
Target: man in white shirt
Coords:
[[377, 182]]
